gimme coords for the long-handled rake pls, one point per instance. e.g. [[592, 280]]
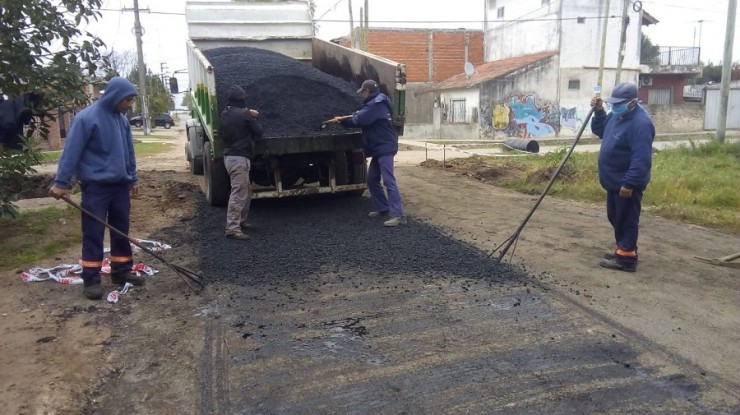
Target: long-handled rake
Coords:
[[513, 238], [185, 274]]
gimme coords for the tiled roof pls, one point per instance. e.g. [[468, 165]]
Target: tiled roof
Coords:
[[491, 70]]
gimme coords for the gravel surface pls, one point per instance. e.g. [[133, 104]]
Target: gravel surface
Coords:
[[294, 239], [292, 97]]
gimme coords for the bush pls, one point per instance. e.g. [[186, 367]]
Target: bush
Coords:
[[15, 165]]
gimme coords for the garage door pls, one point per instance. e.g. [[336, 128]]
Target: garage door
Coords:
[[659, 96]]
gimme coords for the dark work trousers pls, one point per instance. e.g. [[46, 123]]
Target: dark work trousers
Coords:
[[382, 167], [624, 215], [111, 201]]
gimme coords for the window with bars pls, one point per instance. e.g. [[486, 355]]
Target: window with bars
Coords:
[[574, 84], [457, 111], [500, 13]]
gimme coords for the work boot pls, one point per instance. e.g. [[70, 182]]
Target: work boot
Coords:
[[610, 255], [377, 214], [395, 221], [238, 236], [614, 264], [93, 292], [121, 278], [245, 226]]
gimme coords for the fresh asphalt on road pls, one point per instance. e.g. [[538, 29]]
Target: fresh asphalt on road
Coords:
[[327, 311]]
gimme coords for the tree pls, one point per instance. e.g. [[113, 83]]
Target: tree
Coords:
[[122, 63], [159, 98], [648, 52], [187, 100], [43, 50]]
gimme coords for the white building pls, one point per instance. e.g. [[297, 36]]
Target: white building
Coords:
[[543, 59]]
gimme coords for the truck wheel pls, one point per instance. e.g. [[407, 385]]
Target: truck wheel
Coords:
[[218, 183], [167, 125]]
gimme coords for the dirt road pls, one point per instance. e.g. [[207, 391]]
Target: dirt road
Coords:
[[324, 311]]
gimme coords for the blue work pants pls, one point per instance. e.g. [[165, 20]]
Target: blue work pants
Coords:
[[382, 167], [111, 202], [624, 215]]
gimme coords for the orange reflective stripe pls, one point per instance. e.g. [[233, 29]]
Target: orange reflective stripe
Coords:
[[626, 253], [91, 264], [121, 258]]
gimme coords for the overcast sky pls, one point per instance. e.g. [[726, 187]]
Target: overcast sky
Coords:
[[165, 29]]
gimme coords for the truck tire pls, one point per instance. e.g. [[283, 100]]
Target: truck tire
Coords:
[[195, 160], [217, 181]]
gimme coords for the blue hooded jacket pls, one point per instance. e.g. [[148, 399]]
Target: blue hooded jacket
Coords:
[[378, 136], [99, 146], [625, 157]]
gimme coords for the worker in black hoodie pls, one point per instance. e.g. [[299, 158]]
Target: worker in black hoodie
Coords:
[[238, 128]]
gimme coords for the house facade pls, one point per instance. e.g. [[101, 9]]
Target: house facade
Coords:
[[543, 61], [430, 55]]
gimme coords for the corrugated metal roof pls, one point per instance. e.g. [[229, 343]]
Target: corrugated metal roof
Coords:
[[491, 70]]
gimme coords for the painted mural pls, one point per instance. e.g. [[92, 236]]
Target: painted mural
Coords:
[[519, 116], [572, 117]]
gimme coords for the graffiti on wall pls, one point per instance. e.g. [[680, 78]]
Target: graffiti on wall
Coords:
[[572, 117], [519, 116]]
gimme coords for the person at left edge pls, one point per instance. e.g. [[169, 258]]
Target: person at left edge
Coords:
[[99, 151]]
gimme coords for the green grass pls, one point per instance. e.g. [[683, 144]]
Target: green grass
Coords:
[[154, 136], [694, 184], [148, 149], [36, 235], [141, 150]]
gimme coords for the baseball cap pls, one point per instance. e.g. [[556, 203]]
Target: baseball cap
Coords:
[[370, 85], [624, 91]]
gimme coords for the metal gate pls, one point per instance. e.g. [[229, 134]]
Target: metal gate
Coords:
[[659, 96], [711, 110]]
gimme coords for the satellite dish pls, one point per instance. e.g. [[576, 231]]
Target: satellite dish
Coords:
[[469, 69]]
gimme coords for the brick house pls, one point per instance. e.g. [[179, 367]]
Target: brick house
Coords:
[[430, 55], [63, 115]]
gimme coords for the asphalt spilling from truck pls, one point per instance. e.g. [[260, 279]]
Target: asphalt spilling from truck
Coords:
[[292, 97], [324, 310]]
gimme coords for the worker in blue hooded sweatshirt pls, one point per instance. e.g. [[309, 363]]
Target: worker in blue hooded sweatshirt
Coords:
[[380, 142], [625, 159], [99, 151]]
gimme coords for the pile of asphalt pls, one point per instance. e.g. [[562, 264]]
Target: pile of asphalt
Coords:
[[297, 240], [292, 97]]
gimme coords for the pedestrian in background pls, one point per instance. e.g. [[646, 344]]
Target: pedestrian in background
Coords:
[[380, 142], [238, 128], [99, 151], [625, 159]]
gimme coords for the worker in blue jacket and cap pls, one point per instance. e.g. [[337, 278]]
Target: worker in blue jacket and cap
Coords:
[[625, 158], [380, 142], [99, 151]]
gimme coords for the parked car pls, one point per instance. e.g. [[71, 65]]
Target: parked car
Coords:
[[162, 120]]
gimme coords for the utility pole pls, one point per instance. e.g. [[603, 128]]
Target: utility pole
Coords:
[[367, 25], [163, 71], [138, 31], [726, 65], [603, 47], [623, 40], [351, 26]]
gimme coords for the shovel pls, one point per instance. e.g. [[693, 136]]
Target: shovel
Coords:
[[185, 274], [334, 120]]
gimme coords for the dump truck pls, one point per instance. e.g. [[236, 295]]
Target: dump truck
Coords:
[[303, 163]]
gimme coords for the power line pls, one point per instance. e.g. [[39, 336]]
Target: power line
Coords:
[[147, 10]]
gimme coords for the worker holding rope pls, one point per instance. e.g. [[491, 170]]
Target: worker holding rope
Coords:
[[625, 160]]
